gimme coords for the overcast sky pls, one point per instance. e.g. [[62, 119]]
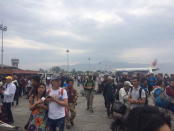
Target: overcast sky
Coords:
[[133, 31]]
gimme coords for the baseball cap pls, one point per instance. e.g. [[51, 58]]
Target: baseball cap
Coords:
[[1, 83], [9, 78], [36, 78], [54, 78], [127, 83], [110, 78]]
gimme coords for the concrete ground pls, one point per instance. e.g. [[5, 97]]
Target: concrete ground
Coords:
[[85, 121]]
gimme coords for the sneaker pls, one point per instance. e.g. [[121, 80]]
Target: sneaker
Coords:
[[72, 123], [110, 117], [68, 126], [10, 122], [91, 110]]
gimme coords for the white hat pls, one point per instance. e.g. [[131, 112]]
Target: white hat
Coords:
[[110, 77], [127, 83], [1, 83]]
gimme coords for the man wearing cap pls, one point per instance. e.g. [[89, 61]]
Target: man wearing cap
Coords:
[[9, 93], [123, 92], [58, 100]]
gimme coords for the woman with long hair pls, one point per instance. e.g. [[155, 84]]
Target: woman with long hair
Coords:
[[38, 110]]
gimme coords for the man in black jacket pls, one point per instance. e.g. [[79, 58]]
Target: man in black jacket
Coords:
[[109, 90]]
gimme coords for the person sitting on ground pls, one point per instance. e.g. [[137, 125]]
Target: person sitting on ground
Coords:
[[38, 109], [145, 118]]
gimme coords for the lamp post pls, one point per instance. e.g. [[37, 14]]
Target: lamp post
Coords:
[[67, 51], [89, 59], [3, 28]]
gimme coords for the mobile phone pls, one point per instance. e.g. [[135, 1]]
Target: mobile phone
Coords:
[[43, 98]]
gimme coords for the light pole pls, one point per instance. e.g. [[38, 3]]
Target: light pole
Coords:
[[67, 51], [3, 28], [89, 59]]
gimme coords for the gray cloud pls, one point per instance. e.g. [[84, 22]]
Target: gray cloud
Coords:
[[100, 29]]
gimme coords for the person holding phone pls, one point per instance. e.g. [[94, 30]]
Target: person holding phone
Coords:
[[58, 101], [38, 109]]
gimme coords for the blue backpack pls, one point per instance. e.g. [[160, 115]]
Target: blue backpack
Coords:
[[157, 92]]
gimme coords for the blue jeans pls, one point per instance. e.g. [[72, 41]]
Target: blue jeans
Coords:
[[53, 123]]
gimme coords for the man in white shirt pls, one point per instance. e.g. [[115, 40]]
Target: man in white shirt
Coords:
[[136, 95], [1, 87], [58, 100], [9, 93]]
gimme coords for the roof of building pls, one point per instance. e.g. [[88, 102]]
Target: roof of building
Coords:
[[17, 71]]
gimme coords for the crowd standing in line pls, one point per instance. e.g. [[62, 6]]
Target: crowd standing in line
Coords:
[[52, 102]]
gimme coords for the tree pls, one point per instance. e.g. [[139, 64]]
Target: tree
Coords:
[[55, 69], [41, 70], [73, 71]]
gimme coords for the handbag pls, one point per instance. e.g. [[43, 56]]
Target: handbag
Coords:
[[28, 122], [119, 107]]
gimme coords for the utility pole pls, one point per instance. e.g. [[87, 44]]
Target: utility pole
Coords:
[[67, 51], [3, 28]]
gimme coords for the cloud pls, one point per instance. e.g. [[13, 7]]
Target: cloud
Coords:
[[67, 35], [104, 18], [143, 55], [29, 44], [141, 12], [39, 33]]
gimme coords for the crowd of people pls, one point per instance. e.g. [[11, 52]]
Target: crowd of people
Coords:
[[52, 101], [129, 92], [51, 105]]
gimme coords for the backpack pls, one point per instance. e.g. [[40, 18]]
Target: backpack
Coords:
[[157, 92], [119, 107], [140, 92], [60, 93]]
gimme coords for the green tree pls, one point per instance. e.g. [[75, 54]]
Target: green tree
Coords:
[[56, 69], [41, 70]]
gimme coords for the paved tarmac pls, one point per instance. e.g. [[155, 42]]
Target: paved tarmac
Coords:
[[85, 121]]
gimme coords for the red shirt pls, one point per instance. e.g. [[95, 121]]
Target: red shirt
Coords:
[[170, 91], [72, 93]]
